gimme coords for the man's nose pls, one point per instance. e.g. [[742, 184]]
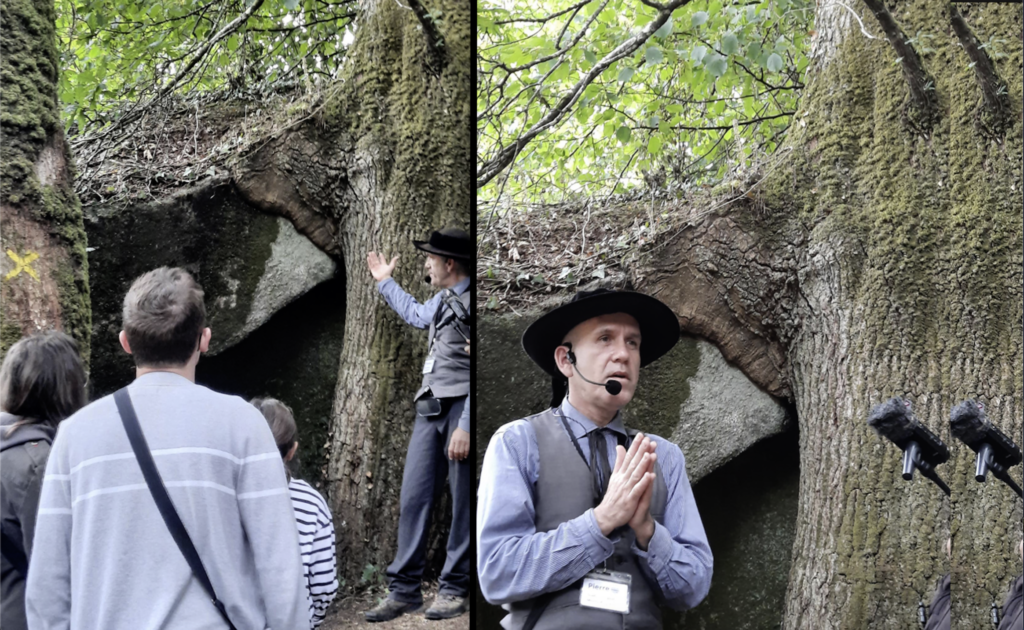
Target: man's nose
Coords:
[[620, 351]]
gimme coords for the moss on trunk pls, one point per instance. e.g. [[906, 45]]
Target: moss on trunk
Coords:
[[37, 202], [914, 255]]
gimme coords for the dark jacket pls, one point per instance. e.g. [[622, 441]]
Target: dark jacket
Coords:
[[22, 464], [1013, 610], [938, 613]]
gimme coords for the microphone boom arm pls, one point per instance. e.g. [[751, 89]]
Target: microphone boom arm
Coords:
[[912, 459]]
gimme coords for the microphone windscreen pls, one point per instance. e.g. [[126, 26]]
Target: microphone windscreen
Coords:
[[891, 420], [613, 387], [970, 424], [426, 279], [967, 423]]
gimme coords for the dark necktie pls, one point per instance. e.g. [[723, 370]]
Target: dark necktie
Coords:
[[600, 467]]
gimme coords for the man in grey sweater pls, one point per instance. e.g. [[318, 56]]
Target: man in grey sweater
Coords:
[[103, 557]]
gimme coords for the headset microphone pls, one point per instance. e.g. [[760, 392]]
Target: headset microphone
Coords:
[[613, 387]]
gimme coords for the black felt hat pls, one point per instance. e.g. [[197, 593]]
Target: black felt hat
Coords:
[[449, 242], [659, 327]]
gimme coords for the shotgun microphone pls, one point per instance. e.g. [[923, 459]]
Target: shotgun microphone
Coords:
[[613, 387], [996, 452], [921, 448]]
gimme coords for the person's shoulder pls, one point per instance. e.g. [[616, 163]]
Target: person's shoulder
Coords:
[[22, 463], [516, 432], [228, 407], [81, 420], [302, 490]]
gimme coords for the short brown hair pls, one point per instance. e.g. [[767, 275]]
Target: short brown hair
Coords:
[[164, 317], [281, 420], [42, 378]]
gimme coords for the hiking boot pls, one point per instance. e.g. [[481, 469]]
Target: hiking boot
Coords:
[[446, 607], [389, 609]]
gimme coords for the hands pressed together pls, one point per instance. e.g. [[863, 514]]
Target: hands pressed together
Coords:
[[628, 498]]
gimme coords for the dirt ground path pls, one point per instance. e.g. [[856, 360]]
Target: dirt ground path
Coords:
[[348, 614]]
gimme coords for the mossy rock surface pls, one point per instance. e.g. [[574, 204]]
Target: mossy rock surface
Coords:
[[250, 265]]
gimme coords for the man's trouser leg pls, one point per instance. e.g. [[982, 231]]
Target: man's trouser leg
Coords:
[[426, 467], [455, 575]]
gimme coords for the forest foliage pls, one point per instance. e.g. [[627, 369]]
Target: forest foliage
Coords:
[[713, 87], [119, 56]]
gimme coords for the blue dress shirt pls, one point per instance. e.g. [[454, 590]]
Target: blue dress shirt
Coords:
[[516, 562], [420, 316]]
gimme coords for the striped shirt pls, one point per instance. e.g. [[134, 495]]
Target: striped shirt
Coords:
[[316, 543]]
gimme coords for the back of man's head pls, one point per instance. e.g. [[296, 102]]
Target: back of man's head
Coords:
[[164, 317]]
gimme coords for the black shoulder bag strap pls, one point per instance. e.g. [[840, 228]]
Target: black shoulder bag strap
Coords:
[[163, 501]]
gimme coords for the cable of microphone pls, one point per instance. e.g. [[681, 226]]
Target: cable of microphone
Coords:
[[613, 387]]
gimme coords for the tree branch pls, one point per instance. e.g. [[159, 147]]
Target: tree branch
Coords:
[[489, 169], [995, 96], [561, 51], [743, 123], [922, 92], [139, 111], [542, 20], [435, 40]]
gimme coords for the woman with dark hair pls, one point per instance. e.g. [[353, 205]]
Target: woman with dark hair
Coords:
[[42, 381]]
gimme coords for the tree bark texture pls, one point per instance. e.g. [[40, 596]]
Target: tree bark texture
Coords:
[[44, 279], [877, 259], [387, 160]]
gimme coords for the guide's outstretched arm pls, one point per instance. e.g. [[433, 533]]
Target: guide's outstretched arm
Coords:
[[411, 311]]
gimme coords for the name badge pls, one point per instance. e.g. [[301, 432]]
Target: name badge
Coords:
[[606, 590], [428, 365]]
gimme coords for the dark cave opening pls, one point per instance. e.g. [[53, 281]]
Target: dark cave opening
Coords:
[[293, 357]]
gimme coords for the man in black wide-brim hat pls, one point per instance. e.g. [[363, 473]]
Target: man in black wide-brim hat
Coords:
[[581, 522], [440, 435]]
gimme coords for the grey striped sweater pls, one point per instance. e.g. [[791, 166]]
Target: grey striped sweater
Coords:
[[103, 557]]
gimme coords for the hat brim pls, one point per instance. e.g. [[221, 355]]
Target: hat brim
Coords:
[[659, 326], [430, 249]]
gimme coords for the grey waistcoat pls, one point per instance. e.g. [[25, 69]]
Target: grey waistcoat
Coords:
[[450, 376], [564, 492]]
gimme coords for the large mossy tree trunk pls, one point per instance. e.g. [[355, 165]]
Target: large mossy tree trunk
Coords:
[[881, 257], [387, 160], [44, 281]]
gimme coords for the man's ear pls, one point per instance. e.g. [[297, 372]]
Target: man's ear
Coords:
[[123, 338], [562, 360], [204, 340]]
